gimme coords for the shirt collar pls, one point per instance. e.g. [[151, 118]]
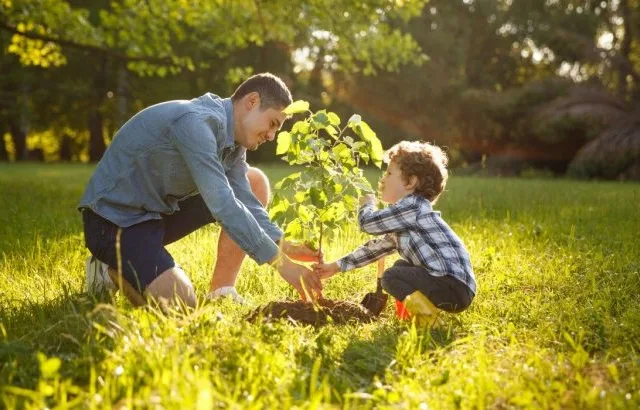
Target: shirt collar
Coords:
[[228, 109]]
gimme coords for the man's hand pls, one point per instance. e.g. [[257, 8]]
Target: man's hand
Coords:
[[300, 253], [301, 278], [368, 199], [325, 270]]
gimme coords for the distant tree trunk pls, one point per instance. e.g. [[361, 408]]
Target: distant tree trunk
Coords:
[[625, 49], [4, 154], [19, 137], [65, 148], [96, 133], [19, 124], [122, 95], [96, 137]]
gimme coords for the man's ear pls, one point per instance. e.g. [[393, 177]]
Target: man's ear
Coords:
[[252, 100]]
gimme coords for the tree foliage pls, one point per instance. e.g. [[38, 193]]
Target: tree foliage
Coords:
[[315, 202], [495, 64], [157, 37]]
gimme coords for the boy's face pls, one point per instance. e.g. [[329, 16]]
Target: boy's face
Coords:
[[393, 186]]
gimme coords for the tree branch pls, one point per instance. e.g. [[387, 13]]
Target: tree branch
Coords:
[[118, 55], [592, 52]]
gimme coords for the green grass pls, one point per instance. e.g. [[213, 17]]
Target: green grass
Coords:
[[556, 323]]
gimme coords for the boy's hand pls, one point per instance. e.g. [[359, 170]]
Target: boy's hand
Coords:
[[368, 199], [325, 270], [300, 253], [300, 277]]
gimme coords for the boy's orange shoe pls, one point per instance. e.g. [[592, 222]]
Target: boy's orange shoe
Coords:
[[401, 311]]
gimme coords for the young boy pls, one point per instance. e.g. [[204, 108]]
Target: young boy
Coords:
[[435, 271]]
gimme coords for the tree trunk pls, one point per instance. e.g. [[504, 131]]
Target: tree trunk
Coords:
[[19, 137], [4, 154], [625, 49], [65, 148], [96, 137], [96, 133], [122, 95]]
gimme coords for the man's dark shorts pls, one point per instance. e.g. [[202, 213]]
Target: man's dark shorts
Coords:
[[140, 249]]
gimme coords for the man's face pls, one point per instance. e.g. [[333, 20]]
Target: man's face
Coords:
[[260, 126]]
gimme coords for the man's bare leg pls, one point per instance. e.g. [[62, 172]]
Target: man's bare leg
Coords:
[[227, 267], [171, 287]]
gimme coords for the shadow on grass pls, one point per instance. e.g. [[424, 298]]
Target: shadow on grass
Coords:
[[365, 360], [369, 356], [68, 327]]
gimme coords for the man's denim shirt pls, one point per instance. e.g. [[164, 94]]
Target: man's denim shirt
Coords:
[[173, 150]]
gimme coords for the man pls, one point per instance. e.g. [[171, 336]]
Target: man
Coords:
[[175, 167]]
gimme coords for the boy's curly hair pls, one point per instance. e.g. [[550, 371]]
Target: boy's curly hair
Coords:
[[427, 162]]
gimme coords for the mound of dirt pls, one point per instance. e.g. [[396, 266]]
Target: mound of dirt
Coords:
[[323, 312]]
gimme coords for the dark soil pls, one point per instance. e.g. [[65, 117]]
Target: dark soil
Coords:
[[325, 311]]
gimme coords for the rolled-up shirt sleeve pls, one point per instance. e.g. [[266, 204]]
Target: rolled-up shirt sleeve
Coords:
[[195, 140]]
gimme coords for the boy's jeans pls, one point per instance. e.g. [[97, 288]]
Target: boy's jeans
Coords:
[[446, 292]]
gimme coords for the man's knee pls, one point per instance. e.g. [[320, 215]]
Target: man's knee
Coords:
[[259, 185], [171, 286]]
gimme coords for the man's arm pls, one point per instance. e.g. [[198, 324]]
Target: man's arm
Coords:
[[197, 143], [241, 187]]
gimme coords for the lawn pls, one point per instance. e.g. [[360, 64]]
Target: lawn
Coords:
[[555, 324]]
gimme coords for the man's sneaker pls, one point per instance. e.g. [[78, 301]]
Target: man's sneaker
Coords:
[[98, 279], [226, 291]]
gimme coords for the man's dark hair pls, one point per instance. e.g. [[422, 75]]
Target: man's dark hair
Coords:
[[272, 90]]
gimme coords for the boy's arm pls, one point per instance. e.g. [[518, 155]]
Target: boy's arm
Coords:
[[367, 253], [397, 217]]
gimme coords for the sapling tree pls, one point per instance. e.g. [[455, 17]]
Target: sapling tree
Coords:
[[313, 203]]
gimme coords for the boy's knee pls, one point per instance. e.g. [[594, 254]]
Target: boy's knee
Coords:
[[171, 286], [259, 185], [387, 280]]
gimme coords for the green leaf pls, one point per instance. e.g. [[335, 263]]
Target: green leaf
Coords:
[[363, 185], [333, 118], [320, 120], [294, 229], [354, 120], [284, 142], [318, 197], [300, 196], [364, 131], [369, 136], [305, 214], [300, 127], [350, 203], [341, 151], [288, 181], [332, 131], [296, 107], [377, 153], [48, 367], [278, 208]]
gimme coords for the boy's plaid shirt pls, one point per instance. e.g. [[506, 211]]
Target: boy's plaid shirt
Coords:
[[418, 233]]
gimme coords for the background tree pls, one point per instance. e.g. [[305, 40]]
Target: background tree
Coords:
[[167, 39]]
